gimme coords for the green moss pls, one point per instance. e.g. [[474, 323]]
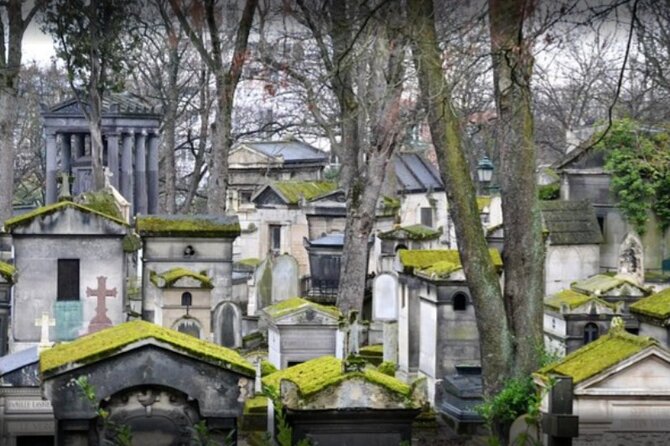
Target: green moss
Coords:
[[267, 368], [294, 304], [437, 262], [8, 272], [106, 342], [602, 283], [483, 202], [572, 299], [131, 242], [293, 191], [549, 191], [388, 368], [43, 211], [257, 404], [371, 350], [656, 306], [102, 202], [318, 374], [252, 261], [598, 356], [412, 232], [206, 226], [168, 278]]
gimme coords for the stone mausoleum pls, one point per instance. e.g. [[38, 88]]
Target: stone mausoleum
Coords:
[[130, 149]]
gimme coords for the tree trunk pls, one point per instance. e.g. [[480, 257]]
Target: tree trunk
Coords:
[[94, 124], [494, 331], [169, 130], [524, 246]]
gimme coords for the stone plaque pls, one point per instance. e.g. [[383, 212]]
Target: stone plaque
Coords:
[[284, 278], [68, 315], [30, 427], [28, 406], [385, 297]]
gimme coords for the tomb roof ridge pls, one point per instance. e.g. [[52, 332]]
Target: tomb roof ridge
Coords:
[[573, 299], [656, 306], [49, 209], [294, 304], [8, 271], [598, 356], [172, 275], [111, 340], [602, 283], [293, 190], [206, 226], [413, 232], [424, 259], [318, 374]]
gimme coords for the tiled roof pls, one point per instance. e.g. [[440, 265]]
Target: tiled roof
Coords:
[[415, 174], [291, 151], [570, 222]]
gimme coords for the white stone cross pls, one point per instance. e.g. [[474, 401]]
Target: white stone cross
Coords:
[[45, 322]]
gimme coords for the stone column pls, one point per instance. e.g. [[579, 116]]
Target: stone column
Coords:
[[113, 158], [391, 341], [141, 205], [52, 167], [152, 174], [66, 153], [78, 145], [127, 168]]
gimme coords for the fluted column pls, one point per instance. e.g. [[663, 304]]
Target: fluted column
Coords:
[[113, 158], [141, 205], [152, 174], [127, 167], [66, 153], [52, 167]]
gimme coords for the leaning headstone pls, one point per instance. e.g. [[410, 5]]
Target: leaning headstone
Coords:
[[263, 280], [385, 297], [285, 283]]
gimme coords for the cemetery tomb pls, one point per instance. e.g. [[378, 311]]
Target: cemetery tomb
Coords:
[[284, 278], [333, 402], [619, 393], [653, 312], [299, 330], [156, 381]]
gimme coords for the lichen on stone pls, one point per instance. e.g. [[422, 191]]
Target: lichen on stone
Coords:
[[656, 306], [8, 272], [483, 202], [572, 299], [257, 404], [131, 242], [294, 304], [602, 284], [43, 211], [293, 191], [106, 342], [168, 278], [101, 201], [411, 232], [437, 262], [206, 226]]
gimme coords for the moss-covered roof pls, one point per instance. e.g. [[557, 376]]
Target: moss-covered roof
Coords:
[[598, 356], [318, 374], [483, 202], [168, 278], [437, 262], [257, 404], [292, 191], [206, 226], [656, 306], [411, 232], [572, 299], [43, 211], [251, 261], [106, 342], [8, 272], [602, 283], [570, 222], [294, 304]]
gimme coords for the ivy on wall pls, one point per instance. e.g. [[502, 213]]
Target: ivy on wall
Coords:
[[639, 163]]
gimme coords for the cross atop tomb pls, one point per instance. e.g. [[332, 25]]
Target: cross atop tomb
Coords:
[[100, 320], [45, 322]]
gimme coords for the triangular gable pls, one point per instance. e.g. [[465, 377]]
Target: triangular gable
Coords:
[[268, 195], [299, 310], [611, 286], [66, 218], [337, 196], [180, 278], [244, 155], [645, 373]]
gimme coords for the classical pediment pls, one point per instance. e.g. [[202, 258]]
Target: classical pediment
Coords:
[[245, 156]]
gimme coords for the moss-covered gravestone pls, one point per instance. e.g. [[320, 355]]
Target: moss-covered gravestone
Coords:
[[285, 273]]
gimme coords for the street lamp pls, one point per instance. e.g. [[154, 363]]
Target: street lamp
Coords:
[[484, 172]]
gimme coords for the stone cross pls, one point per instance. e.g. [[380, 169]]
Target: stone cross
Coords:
[[45, 322], [100, 320]]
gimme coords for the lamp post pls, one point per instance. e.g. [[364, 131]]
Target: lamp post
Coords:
[[484, 173]]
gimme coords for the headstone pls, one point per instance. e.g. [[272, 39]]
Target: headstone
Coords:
[[285, 283], [264, 284], [631, 258], [385, 297], [524, 432], [229, 325]]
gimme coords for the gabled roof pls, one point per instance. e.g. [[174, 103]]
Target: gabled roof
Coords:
[[291, 192], [570, 222], [602, 284], [7, 272], [107, 342], [599, 355], [43, 211], [415, 174], [573, 299], [298, 304], [112, 103], [656, 306], [206, 226], [437, 263], [14, 361], [169, 278], [411, 232], [316, 375], [290, 152]]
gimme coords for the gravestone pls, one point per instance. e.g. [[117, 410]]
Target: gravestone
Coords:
[[263, 281], [631, 258], [385, 309], [284, 278], [229, 325]]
